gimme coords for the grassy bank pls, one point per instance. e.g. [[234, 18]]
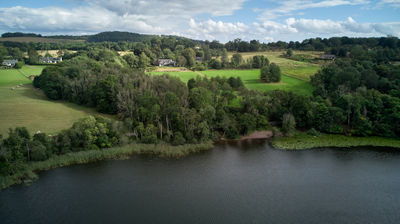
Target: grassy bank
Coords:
[[23, 105], [161, 150], [304, 141]]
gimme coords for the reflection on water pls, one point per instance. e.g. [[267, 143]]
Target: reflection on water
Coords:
[[237, 182]]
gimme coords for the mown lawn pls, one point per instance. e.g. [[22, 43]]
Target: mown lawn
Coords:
[[184, 76], [297, 69], [29, 107], [250, 78]]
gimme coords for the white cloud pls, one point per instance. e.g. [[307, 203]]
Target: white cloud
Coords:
[[211, 30], [288, 7], [153, 16], [171, 7], [81, 20], [393, 3], [177, 17], [305, 28]]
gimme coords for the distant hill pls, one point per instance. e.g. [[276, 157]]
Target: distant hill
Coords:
[[116, 36], [27, 39], [19, 34], [109, 36]]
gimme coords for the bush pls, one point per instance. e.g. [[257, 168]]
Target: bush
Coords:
[[178, 139], [313, 132], [19, 65], [38, 151], [271, 73], [199, 68], [288, 124]]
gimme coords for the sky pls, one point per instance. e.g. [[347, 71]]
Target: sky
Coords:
[[222, 20]]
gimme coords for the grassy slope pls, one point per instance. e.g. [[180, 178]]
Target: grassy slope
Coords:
[[184, 76], [251, 80], [303, 141], [9, 77], [27, 106], [297, 69]]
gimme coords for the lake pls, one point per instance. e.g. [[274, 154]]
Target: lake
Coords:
[[238, 182]]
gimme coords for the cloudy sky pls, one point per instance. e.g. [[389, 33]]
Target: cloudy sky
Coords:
[[223, 20]]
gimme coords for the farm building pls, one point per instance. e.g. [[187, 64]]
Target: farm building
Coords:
[[50, 60], [327, 57], [9, 63], [164, 62]]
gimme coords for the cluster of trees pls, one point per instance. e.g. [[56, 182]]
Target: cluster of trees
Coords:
[[366, 93], [20, 147], [153, 108], [270, 73], [19, 34]]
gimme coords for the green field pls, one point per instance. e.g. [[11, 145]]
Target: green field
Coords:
[[23, 105], [184, 76], [15, 77], [251, 79], [297, 69]]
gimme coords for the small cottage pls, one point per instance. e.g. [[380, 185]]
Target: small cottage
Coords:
[[50, 60], [328, 57], [9, 63], [164, 62]]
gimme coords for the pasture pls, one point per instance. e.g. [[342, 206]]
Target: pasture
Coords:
[[9, 77], [250, 78], [23, 105], [297, 69], [53, 53]]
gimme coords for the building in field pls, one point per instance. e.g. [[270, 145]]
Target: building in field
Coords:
[[50, 60], [327, 57], [164, 62], [10, 63]]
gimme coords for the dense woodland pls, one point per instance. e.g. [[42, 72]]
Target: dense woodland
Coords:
[[357, 94]]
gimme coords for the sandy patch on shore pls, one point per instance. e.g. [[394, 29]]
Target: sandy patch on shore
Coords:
[[258, 135]]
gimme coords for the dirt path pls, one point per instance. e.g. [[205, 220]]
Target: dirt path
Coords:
[[258, 135]]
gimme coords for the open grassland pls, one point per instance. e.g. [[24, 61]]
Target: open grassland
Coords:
[[36, 40], [303, 141], [23, 105], [184, 75], [53, 53], [297, 69], [250, 78], [9, 77]]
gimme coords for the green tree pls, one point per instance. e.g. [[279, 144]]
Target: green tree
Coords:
[[236, 60], [271, 73], [33, 56], [190, 56], [288, 124]]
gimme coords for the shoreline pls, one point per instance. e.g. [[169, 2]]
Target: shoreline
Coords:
[[300, 141], [83, 157]]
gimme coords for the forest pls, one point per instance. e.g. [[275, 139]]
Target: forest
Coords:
[[358, 94]]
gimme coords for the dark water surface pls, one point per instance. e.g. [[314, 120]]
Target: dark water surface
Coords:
[[246, 182]]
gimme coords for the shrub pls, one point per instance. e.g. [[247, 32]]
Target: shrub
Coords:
[[288, 124], [271, 73]]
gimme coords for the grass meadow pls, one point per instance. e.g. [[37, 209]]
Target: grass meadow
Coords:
[[297, 69], [251, 79], [23, 105], [295, 74]]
